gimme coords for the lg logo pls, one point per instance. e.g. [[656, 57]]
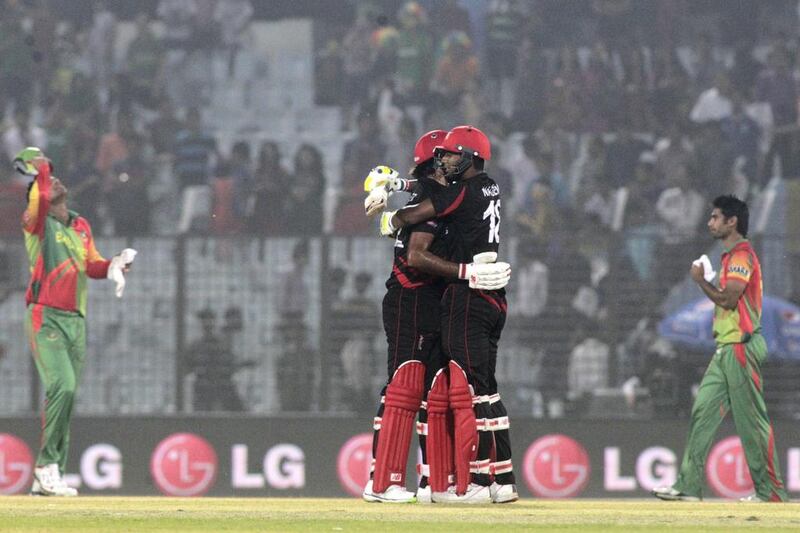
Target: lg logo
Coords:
[[184, 464], [16, 464], [556, 466], [726, 469], [353, 463]]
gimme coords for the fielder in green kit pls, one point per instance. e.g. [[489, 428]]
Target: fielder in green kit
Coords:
[[62, 254], [732, 381]]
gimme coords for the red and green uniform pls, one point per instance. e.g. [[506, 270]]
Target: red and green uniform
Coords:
[[61, 257], [733, 383]]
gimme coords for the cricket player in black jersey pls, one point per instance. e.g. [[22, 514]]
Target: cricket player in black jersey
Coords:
[[472, 318], [411, 320]]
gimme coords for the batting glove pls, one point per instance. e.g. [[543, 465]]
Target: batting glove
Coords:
[[376, 201], [387, 228], [484, 273]]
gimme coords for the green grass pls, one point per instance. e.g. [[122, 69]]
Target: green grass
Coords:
[[24, 513]]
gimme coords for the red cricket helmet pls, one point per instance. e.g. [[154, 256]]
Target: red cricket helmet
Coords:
[[467, 140], [423, 150]]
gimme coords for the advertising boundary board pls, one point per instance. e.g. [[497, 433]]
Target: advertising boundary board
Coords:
[[304, 455]]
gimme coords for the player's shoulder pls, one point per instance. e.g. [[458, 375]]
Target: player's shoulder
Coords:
[[484, 186]]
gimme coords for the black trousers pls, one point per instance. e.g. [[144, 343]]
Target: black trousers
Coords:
[[411, 319], [472, 322]]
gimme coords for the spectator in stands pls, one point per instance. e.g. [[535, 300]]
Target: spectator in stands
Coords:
[[568, 271], [270, 186], [164, 128], [450, 16], [357, 354], [126, 192], [195, 152], [456, 72], [233, 18], [505, 22], [680, 209], [742, 134], [713, 160], [704, 65], [776, 86], [414, 53], [295, 370], [102, 36], [22, 132], [531, 86], [539, 216], [588, 365], [16, 68], [302, 208], [357, 59], [360, 154], [622, 156], [714, 104], [143, 63], [213, 364], [85, 182], [230, 191], [114, 148]]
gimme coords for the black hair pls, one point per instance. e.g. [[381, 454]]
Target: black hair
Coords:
[[424, 169], [731, 206]]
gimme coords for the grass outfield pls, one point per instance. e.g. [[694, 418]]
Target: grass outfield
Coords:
[[25, 513]]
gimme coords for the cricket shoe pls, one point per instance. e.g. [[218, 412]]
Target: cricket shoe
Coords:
[[424, 495], [392, 494], [670, 494], [503, 493], [476, 494], [47, 482], [752, 498]]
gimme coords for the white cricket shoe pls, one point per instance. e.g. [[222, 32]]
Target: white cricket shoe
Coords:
[[752, 498], [476, 494], [670, 494], [393, 494], [424, 494], [503, 493], [47, 482]]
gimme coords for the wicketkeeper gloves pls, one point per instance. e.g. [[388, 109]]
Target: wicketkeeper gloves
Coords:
[[116, 269]]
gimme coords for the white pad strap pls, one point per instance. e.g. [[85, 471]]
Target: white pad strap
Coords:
[[422, 428], [493, 424], [480, 466], [501, 467], [423, 470], [372, 465], [486, 398], [376, 423]]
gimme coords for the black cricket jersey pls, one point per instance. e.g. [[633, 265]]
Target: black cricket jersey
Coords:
[[402, 274], [471, 210]]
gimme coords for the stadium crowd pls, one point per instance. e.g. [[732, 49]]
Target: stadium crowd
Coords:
[[613, 123]]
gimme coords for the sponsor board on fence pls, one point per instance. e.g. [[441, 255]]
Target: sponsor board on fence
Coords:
[[324, 456]]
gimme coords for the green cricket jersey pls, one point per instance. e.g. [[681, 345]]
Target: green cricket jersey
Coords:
[[61, 256], [736, 325]]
